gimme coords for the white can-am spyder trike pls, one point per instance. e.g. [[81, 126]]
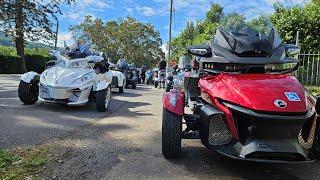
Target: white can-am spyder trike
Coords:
[[70, 81]]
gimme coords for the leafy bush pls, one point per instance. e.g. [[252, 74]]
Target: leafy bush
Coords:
[[10, 63]]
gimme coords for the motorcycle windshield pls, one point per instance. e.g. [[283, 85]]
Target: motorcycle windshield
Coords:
[[254, 37]]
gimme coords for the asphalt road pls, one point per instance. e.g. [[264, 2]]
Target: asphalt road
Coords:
[[123, 143]]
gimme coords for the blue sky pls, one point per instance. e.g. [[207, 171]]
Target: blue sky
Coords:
[[157, 11]]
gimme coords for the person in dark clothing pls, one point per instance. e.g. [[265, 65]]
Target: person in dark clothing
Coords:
[[195, 63], [162, 65]]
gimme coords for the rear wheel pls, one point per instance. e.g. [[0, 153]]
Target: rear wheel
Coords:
[[134, 86], [156, 84], [102, 99], [171, 134], [28, 92], [121, 90]]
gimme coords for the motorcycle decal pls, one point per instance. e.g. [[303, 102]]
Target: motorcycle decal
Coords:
[[280, 104], [292, 96]]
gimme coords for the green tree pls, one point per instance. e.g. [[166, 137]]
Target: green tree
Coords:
[[198, 33], [28, 19], [261, 23], [233, 21], [306, 20], [125, 38], [214, 14]]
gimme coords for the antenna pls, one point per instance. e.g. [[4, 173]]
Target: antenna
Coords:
[[170, 26]]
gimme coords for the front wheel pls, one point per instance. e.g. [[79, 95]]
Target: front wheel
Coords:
[[171, 134], [102, 99], [28, 92], [156, 84], [316, 142]]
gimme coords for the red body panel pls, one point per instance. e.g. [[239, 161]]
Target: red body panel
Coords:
[[173, 101], [256, 91]]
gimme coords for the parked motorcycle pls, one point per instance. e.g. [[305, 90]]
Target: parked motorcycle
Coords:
[[76, 77], [160, 81], [155, 77], [143, 73], [149, 75], [245, 102], [129, 71]]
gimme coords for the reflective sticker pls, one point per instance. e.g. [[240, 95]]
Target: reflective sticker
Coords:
[[292, 96]]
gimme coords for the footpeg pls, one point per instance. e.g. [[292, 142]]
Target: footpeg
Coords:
[[191, 117], [191, 135]]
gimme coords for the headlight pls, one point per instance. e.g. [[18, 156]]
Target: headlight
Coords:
[[280, 67], [85, 78]]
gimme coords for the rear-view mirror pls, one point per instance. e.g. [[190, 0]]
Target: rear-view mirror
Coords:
[[202, 51], [292, 49]]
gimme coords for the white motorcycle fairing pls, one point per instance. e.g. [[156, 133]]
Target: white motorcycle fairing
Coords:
[[71, 86], [118, 79]]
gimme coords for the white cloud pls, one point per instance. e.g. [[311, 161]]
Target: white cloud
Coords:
[[98, 4], [147, 11], [76, 12], [164, 48]]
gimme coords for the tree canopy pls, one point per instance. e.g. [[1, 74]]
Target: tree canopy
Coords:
[[29, 19], [198, 33], [127, 38], [306, 20], [287, 21]]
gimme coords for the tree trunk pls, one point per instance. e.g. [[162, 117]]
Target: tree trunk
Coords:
[[19, 39]]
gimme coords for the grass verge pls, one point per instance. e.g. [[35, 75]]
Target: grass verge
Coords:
[[315, 90], [23, 163]]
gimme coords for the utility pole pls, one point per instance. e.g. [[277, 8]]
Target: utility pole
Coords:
[[57, 31], [170, 26]]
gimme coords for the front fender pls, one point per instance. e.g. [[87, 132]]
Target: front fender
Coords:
[[173, 101], [27, 77], [102, 85]]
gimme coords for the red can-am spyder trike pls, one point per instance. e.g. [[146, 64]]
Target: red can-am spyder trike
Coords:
[[245, 102]]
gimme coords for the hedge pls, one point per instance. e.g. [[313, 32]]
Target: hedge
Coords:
[[10, 63]]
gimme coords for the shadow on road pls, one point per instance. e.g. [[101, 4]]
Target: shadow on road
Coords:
[[199, 159]]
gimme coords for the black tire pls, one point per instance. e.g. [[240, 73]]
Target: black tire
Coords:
[[171, 134], [134, 86], [168, 87], [121, 90], [28, 92], [101, 100], [316, 148], [316, 142], [156, 84]]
